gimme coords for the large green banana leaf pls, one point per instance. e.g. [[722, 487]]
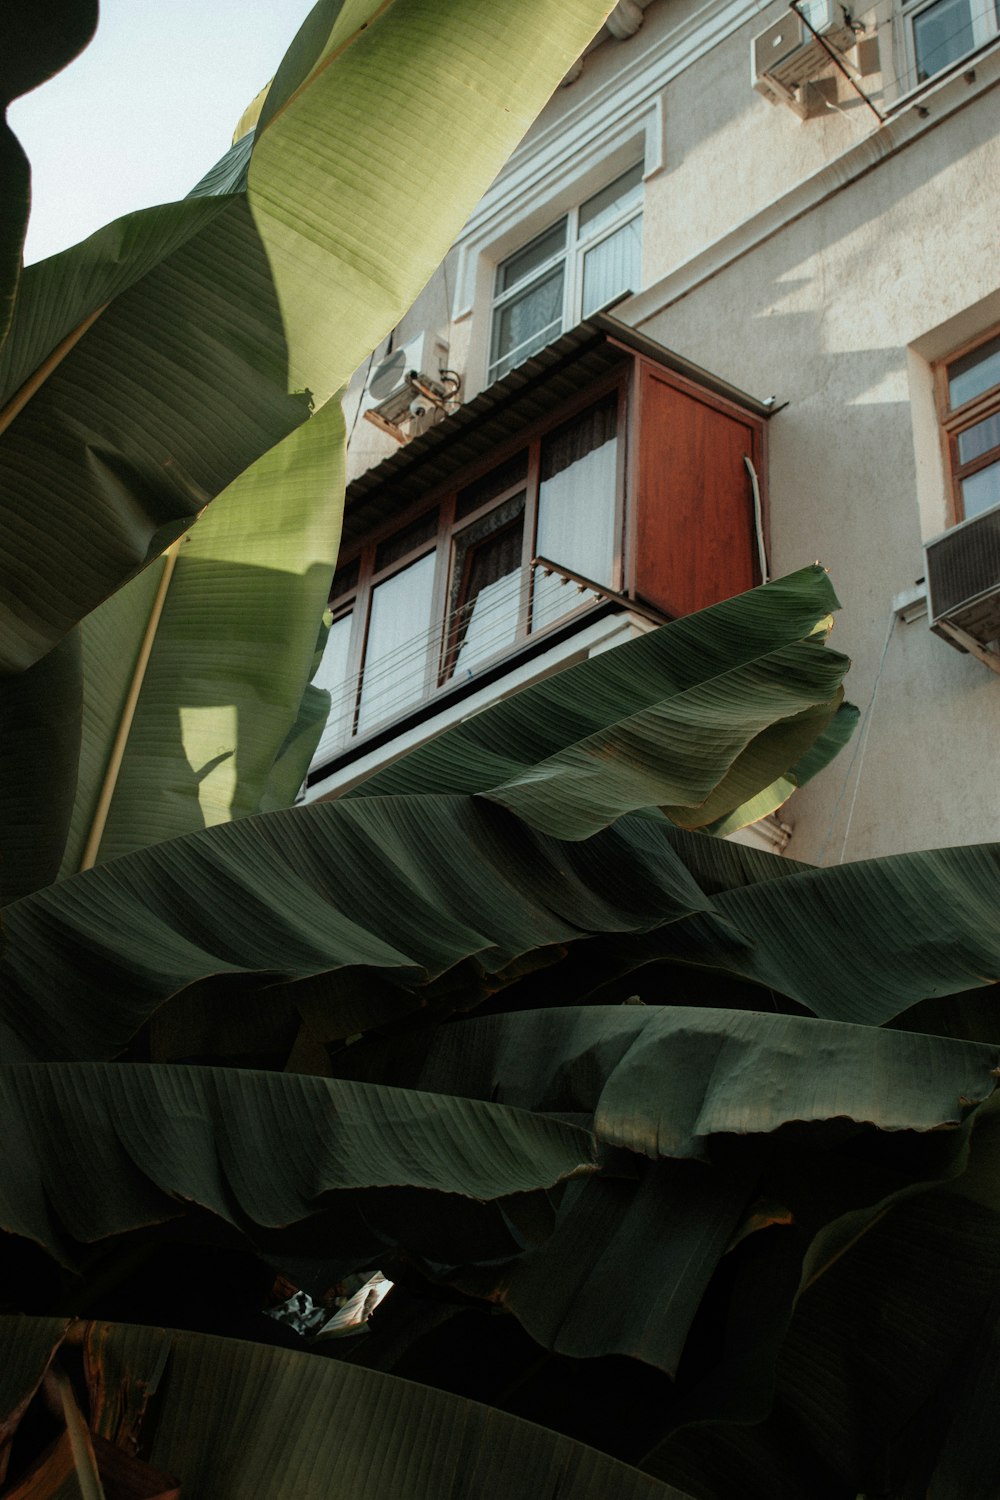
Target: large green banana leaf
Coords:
[[257, 1151], [295, 1427], [170, 383], [664, 1079], [149, 366], [860, 942], [224, 679], [568, 758], [699, 714], [384, 884]]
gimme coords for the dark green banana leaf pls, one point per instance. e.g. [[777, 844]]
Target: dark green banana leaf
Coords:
[[860, 942], [663, 1080], [383, 885], [623, 734], [127, 1147], [871, 1365], [295, 1426], [699, 714]]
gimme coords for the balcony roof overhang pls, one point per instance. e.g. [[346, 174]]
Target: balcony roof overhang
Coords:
[[519, 399]]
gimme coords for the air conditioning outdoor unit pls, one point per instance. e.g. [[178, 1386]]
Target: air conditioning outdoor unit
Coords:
[[963, 579], [389, 392], [788, 55]]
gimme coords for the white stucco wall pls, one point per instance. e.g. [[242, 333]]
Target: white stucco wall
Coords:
[[830, 314], [827, 262]]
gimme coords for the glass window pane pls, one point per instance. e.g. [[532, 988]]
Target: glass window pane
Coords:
[[941, 35], [522, 265], [399, 642], [333, 676], [612, 267], [977, 440], [974, 373], [486, 588], [527, 323], [617, 198], [981, 491], [576, 510]]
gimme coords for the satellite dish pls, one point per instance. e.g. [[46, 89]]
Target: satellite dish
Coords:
[[388, 376]]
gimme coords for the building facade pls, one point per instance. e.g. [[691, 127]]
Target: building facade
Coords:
[[733, 306]]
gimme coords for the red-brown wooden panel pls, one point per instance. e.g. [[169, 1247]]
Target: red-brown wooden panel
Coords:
[[692, 527]]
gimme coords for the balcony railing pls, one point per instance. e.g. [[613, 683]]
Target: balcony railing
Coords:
[[503, 617]]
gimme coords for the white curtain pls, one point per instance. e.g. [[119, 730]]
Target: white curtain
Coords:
[[492, 624], [332, 675], [399, 643], [524, 325], [612, 267], [576, 527]]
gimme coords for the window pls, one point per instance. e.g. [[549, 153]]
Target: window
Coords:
[[428, 605], [969, 391], [570, 270], [944, 31]]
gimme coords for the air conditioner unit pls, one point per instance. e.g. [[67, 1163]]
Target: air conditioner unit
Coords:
[[963, 579], [389, 392], [788, 54]]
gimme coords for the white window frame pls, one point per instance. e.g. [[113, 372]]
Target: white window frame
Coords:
[[577, 244], [985, 29], [556, 167]]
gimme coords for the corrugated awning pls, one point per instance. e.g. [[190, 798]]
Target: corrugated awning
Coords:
[[521, 397]]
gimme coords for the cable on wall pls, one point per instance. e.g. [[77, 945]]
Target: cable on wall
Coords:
[[858, 755]]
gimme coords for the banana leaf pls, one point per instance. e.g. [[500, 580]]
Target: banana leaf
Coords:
[[698, 714], [169, 378], [860, 942], [149, 370], [294, 1425], [664, 1079], [257, 1151], [380, 884]]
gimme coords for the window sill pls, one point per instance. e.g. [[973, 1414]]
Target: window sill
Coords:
[[917, 97]]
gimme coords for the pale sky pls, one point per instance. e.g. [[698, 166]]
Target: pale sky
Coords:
[[145, 110]]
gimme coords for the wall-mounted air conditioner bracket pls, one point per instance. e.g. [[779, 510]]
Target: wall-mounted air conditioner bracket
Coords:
[[965, 642], [383, 424]]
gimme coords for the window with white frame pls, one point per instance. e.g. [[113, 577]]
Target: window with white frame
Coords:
[[591, 255], [944, 31]]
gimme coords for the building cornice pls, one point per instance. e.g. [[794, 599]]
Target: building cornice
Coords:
[[631, 90]]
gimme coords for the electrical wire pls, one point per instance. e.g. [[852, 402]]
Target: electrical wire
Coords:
[[858, 756], [402, 670]]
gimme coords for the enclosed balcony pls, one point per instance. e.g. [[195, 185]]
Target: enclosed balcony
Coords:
[[602, 486]]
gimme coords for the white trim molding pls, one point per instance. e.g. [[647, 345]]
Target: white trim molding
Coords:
[[597, 137]]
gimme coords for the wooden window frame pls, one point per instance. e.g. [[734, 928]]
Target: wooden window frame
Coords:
[[358, 601], [954, 421]]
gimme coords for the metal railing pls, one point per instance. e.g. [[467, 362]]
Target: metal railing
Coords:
[[470, 638]]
